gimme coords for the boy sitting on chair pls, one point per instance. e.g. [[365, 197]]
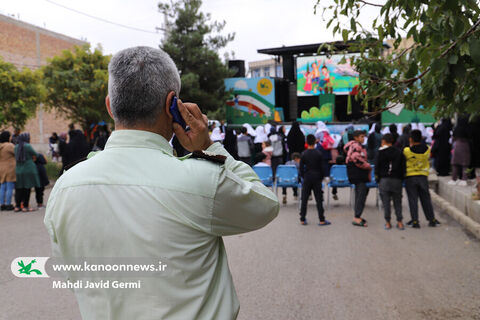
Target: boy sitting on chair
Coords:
[[312, 171]]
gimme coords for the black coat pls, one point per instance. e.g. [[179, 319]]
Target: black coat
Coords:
[[295, 139], [390, 164], [475, 143], [42, 172]]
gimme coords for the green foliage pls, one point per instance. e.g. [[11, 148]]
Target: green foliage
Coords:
[[77, 84], [53, 170], [219, 114], [439, 68], [20, 93], [193, 43]]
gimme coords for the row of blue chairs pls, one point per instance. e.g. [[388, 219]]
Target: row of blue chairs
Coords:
[[287, 176]]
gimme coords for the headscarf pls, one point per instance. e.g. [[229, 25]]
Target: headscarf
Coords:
[[321, 126], [442, 133], [20, 155], [295, 138], [462, 129], [250, 130], [216, 135], [349, 131], [268, 128], [272, 131], [260, 135], [321, 129], [386, 130], [429, 134], [4, 136], [230, 142]]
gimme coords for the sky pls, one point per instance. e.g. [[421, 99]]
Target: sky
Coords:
[[258, 24]]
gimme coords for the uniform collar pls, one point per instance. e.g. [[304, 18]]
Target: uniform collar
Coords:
[[138, 139]]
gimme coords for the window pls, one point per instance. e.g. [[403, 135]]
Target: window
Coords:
[[256, 73], [266, 72], [279, 71]]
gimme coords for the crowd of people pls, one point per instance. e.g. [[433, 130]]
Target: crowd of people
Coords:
[[23, 169], [383, 156]]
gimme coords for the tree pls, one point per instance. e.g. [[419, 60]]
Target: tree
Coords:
[[20, 93], [193, 43], [77, 84], [438, 69]]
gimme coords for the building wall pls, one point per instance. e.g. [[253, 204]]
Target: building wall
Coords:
[[265, 68], [28, 46]]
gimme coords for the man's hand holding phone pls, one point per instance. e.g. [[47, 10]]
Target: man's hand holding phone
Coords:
[[197, 138]]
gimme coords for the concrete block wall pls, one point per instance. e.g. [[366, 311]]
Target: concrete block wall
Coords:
[[460, 198]]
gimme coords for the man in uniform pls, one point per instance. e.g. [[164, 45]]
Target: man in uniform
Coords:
[[135, 199]]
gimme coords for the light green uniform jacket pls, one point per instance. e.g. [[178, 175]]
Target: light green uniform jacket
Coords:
[[135, 199]]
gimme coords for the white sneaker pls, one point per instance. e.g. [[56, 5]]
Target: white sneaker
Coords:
[[462, 183], [452, 183]]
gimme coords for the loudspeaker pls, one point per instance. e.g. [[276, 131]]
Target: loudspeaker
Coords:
[[237, 66]]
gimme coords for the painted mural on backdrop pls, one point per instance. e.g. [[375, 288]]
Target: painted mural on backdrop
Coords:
[[321, 74], [323, 113], [252, 100]]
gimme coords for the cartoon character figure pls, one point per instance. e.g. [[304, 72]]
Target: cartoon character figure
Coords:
[[308, 77], [325, 82], [316, 76]]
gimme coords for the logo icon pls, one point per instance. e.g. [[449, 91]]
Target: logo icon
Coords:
[[264, 86], [27, 269]]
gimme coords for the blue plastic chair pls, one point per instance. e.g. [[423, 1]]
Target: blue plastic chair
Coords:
[[338, 179], [265, 174], [286, 176]]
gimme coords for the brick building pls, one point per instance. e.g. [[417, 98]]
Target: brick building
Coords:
[[29, 46]]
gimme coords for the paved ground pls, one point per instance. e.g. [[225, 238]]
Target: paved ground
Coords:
[[289, 271]]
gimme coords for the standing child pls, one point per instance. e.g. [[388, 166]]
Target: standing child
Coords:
[[390, 170], [416, 183], [40, 162], [311, 170], [359, 171]]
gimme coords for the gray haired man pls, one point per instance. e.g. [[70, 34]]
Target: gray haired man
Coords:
[[136, 199]]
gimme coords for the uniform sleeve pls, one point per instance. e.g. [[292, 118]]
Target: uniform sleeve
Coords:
[[241, 203]]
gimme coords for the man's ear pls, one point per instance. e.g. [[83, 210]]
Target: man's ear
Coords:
[[168, 102], [107, 103]]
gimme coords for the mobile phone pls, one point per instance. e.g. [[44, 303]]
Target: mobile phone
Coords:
[[177, 117]]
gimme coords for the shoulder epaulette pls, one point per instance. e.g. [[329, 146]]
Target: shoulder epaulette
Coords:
[[217, 158]]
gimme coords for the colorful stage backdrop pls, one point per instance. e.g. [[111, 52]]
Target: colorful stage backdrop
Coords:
[[318, 74], [252, 100]]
